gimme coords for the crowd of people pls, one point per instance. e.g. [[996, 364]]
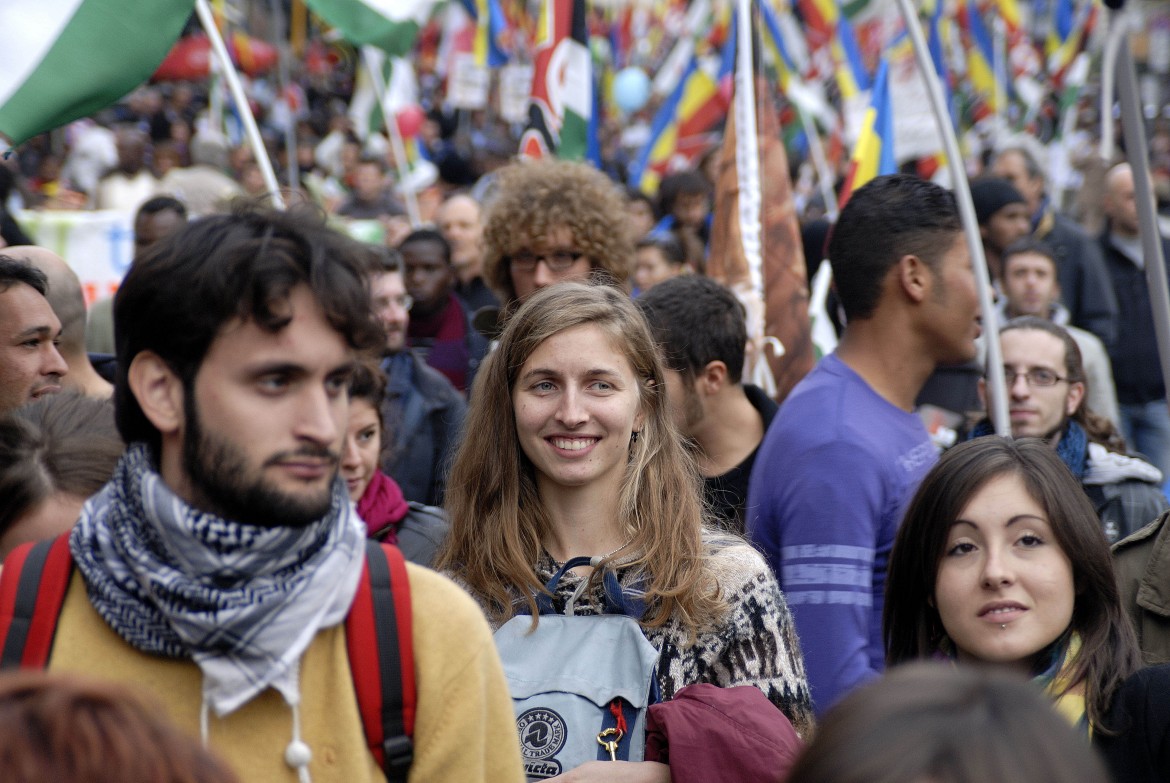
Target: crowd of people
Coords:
[[487, 494]]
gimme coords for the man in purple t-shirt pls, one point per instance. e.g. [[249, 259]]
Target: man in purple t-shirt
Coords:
[[846, 451]]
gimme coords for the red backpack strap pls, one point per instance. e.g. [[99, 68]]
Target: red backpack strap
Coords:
[[33, 582], [381, 658]]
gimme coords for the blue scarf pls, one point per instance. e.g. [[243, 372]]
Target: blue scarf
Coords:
[[1073, 446]]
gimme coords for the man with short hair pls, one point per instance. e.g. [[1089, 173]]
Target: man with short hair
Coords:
[[218, 566], [460, 220], [68, 303], [1030, 287], [1137, 370], [1084, 283], [30, 364], [131, 183], [424, 413], [155, 219], [699, 326], [1046, 399], [370, 199], [440, 325], [847, 451]]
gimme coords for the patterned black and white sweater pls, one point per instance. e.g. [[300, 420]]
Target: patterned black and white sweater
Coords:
[[755, 642]]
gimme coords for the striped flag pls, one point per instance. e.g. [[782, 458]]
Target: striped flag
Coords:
[[561, 104], [65, 59], [490, 24], [678, 132], [874, 153], [390, 25]]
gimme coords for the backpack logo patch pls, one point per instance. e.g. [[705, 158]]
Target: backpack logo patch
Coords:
[[542, 733]]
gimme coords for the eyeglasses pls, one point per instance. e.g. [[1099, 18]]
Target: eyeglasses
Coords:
[[406, 301], [556, 261], [1037, 377]]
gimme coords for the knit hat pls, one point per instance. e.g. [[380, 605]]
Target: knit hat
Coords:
[[991, 195]]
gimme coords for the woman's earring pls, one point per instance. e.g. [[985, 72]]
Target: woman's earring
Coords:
[[634, 437]]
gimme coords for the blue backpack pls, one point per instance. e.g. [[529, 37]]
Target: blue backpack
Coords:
[[580, 684]]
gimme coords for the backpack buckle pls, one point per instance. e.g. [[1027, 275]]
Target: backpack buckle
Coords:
[[397, 753]]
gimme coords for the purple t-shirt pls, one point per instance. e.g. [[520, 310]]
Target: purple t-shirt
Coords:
[[831, 481]]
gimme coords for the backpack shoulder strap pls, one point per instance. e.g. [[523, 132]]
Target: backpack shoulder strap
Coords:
[[33, 582], [381, 658]]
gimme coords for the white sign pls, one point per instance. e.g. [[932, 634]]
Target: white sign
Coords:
[[515, 87], [468, 83], [99, 246]]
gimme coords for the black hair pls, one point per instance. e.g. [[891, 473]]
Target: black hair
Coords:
[[428, 235], [682, 183], [1029, 244], [890, 217], [696, 321], [667, 244], [181, 291], [162, 204], [14, 271]]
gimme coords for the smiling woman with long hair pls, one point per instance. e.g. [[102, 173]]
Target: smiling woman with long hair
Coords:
[[571, 451], [1000, 560]]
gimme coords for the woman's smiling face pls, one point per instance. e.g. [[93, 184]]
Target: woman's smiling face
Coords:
[[577, 402], [1004, 588]]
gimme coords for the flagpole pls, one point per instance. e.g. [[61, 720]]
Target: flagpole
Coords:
[[825, 177], [280, 36], [233, 79], [747, 149], [1133, 131], [997, 388], [999, 68], [1118, 29], [396, 142]]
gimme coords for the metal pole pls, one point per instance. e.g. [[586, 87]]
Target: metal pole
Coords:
[[996, 387], [241, 101], [280, 36], [1133, 129], [396, 142]]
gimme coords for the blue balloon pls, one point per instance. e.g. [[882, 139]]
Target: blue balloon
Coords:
[[631, 89]]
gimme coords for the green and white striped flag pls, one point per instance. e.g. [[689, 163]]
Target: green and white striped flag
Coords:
[[365, 108], [390, 25], [64, 59]]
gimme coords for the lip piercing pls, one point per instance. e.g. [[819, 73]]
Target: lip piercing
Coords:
[[1003, 626]]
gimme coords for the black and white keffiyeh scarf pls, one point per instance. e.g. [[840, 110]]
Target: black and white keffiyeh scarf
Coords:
[[243, 601]]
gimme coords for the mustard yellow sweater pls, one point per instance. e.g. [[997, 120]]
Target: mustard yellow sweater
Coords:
[[464, 728]]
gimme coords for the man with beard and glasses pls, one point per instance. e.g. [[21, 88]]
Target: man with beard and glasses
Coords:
[[219, 565], [699, 326], [1047, 388]]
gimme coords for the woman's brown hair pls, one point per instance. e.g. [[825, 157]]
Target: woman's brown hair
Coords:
[[497, 519]]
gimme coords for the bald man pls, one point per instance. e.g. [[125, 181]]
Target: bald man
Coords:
[[68, 304], [460, 222], [1141, 392]]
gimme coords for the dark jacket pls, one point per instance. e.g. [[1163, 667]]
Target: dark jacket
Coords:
[[1137, 371], [1080, 270], [1142, 565], [1139, 750], [424, 417], [420, 533]]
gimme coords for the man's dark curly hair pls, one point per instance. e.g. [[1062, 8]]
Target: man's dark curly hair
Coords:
[[179, 294]]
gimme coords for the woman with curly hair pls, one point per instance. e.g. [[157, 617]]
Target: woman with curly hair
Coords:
[[574, 453], [549, 221]]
